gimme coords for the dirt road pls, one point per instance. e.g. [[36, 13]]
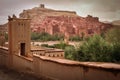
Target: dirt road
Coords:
[[7, 74]]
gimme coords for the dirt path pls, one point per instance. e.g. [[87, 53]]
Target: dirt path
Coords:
[[7, 74], [57, 42]]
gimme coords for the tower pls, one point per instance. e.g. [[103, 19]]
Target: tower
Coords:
[[42, 6], [19, 36]]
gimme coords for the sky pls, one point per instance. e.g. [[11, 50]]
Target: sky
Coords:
[[106, 10]]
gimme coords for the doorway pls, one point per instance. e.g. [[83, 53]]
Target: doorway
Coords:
[[22, 49]]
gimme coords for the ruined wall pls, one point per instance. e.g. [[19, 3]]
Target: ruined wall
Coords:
[[61, 69]]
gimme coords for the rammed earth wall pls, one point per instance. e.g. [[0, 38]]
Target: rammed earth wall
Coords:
[[60, 69]]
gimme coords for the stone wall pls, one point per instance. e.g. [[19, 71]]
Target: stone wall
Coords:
[[61, 69]]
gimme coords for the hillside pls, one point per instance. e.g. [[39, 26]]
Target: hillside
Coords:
[[41, 12], [67, 23], [117, 22]]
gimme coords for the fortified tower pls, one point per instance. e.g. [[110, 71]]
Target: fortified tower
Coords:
[[19, 36], [42, 6]]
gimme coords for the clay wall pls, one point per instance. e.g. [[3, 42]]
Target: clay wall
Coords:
[[61, 69]]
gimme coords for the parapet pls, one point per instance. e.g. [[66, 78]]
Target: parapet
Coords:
[[11, 18], [15, 18]]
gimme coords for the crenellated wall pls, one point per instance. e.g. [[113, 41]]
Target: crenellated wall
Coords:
[[54, 53], [61, 69]]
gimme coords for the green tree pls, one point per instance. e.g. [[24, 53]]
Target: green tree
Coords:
[[95, 49], [70, 52], [45, 36], [113, 37]]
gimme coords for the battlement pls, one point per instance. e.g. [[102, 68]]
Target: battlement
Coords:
[[15, 18]]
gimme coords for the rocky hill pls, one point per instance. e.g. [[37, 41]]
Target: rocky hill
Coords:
[[42, 12], [117, 22], [67, 23]]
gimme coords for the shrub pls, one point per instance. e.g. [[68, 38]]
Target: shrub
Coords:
[[70, 52], [75, 38], [44, 45], [95, 49], [45, 36], [112, 36]]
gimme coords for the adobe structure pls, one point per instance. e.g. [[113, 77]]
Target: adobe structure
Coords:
[[42, 6], [58, 22], [19, 40], [19, 36]]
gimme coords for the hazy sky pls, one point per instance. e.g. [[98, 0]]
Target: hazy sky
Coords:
[[106, 10]]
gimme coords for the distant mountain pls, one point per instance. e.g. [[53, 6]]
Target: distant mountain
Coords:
[[117, 22]]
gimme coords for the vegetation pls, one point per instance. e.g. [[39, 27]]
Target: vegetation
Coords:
[[95, 49], [113, 37], [61, 45], [2, 40], [82, 35], [101, 48], [98, 48], [45, 37], [70, 52], [75, 38], [6, 36]]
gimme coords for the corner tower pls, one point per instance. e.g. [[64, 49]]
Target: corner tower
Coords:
[[19, 36]]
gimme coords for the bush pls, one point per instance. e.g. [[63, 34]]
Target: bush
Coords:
[[70, 52], [104, 48], [45, 37], [75, 38], [6, 36], [95, 49], [44, 45], [112, 36]]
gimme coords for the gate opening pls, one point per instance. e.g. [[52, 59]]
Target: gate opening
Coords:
[[22, 49]]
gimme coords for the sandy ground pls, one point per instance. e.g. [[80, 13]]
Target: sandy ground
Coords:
[[56, 42], [7, 74]]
